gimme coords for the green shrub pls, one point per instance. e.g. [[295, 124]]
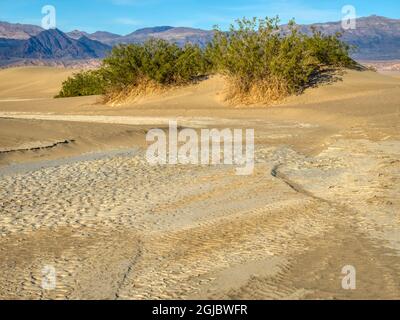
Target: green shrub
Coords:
[[191, 64], [260, 62], [156, 62], [84, 83], [263, 64], [330, 50]]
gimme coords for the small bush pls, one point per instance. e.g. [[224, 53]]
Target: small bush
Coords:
[[156, 64], [262, 65], [84, 83], [330, 50], [130, 68]]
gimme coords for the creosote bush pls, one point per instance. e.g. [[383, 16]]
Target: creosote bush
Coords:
[[261, 62], [264, 64], [132, 70], [156, 60], [84, 83]]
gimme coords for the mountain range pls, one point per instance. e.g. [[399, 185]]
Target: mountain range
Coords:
[[377, 38], [52, 44]]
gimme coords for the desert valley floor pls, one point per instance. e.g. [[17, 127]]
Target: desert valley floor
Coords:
[[77, 193]]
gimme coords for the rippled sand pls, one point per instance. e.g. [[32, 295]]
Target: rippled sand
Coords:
[[324, 194]]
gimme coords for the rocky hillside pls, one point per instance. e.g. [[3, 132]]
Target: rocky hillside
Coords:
[[18, 31], [51, 45], [376, 38]]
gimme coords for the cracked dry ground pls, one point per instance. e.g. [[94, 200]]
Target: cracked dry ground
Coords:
[[116, 228]]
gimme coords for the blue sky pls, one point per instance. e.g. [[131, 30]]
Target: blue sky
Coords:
[[125, 16]]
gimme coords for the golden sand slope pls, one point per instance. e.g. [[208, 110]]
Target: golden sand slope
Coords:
[[39, 82], [32, 82]]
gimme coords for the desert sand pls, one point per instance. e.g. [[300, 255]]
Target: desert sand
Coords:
[[77, 193]]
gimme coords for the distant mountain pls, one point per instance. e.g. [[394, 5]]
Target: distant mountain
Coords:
[[148, 31], [377, 38], [11, 49], [177, 35], [18, 31], [76, 34], [52, 44], [102, 36], [94, 48]]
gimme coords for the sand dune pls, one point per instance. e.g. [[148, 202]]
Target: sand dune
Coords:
[[31, 82], [352, 84], [324, 194]]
